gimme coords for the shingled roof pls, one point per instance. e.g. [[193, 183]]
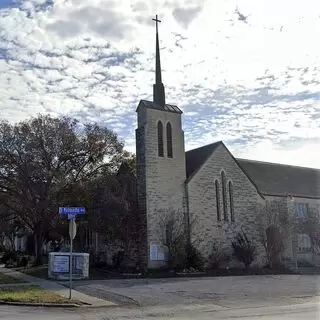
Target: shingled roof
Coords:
[[152, 105], [269, 178], [197, 157], [280, 179]]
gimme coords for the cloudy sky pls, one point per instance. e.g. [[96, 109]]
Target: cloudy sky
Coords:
[[252, 82]]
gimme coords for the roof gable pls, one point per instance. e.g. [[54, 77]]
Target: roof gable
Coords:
[[281, 179], [196, 158]]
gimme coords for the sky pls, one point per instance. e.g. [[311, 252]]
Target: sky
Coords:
[[253, 83]]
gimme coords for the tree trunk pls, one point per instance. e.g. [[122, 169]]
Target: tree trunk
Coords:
[[11, 238], [38, 242]]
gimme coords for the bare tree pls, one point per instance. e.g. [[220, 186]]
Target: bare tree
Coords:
[[173, 233], [276, 227], [244, 249]]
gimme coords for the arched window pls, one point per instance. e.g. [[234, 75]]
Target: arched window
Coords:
[[160, 139], [230, 186], [224, 196], [217, 187], [169, 140]]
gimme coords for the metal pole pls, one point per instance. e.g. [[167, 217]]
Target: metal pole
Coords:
[[70, 267]]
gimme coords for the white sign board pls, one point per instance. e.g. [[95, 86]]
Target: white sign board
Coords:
[[61, 264], [79, 263], [304, 242], [153, 252], [161, 256]]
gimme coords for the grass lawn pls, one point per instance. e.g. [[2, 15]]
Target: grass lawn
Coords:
[[39, 271], [31, 294], [4, 279], [42, 272]]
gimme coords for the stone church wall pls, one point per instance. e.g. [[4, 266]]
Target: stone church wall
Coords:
[[203, 209], [142, 190], [305, 251], [160, 179], [298, 248]]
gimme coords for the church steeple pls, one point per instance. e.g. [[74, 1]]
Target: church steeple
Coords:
[[158, 88]]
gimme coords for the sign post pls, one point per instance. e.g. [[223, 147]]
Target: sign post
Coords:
[[72, 233], [72, 213]]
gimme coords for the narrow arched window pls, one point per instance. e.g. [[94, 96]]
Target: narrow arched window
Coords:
[[217, 187], [169, 140], [224, 196], [160, 139], [230, 187]]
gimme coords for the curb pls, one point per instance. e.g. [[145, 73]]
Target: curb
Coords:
[[35, 304], [115, 298], [121, 299], [55, 305]]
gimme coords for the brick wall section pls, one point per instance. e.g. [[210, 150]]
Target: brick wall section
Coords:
[[203, 209], [160, 179]]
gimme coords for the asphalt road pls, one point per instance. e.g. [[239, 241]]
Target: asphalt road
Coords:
[[306, 311], [219, 290]]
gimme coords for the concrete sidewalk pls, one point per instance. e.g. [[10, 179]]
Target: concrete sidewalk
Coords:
[[57, 288]]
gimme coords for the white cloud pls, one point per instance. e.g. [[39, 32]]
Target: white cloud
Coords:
[[254, 85], [305, 155]]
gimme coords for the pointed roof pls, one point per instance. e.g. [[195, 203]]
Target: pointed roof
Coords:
[[152, 105], [280, 179], [197, 157], [158, 87]]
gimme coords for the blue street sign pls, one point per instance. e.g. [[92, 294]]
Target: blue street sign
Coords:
[[72, 216], [72, 210]]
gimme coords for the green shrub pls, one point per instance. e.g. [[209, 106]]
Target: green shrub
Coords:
[[96, 260], [178, 260], [244, 249], [194, 258], [117, 259], [9, 256], [15, 258], [216, 258], [186, 257], [23, 261]]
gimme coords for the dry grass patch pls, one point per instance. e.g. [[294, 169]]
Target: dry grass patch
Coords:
[[5, 279], [33, 294], [37, 271]]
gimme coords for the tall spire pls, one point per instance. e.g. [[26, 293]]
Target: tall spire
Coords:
[[158, 88]]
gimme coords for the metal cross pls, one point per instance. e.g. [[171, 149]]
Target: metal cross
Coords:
[[156, 20]]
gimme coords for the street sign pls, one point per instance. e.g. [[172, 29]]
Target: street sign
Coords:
[[72, 216], [72, 210], [72, 213], [72, 229]]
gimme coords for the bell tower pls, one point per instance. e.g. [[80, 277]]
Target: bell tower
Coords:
[[161, 170]]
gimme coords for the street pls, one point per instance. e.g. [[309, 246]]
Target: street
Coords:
[[306, 311], [223, 291], [251, 297]]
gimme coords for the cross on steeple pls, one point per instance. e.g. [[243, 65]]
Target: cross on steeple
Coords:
[[156, 20], [158, 88]]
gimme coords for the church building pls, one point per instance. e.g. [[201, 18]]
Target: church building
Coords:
[[217, 194]]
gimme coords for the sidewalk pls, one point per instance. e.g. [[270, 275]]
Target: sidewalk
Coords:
[[57, 288]]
